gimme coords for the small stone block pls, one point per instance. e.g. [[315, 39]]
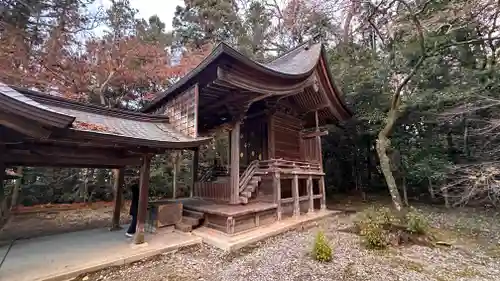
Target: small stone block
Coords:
[[190, 221], [183, 227], [169, 214]]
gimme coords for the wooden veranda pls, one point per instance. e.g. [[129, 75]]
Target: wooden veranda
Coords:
[[274, 115], [42, 130]]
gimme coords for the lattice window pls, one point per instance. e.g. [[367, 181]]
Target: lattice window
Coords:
[[182, 112]]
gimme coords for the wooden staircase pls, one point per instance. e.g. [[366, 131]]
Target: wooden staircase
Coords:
[[249, 181], [190, 220]]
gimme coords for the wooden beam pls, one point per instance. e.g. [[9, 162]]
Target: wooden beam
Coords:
[[143, 199], [194, 170], [37, 160], [295, 195], [235, 164], [310, 194], [119, 180], [277, 193], [228, 99], [310, 135], [64, 150], [323, 192]]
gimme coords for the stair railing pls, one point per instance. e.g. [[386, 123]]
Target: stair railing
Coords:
[[248, 174]]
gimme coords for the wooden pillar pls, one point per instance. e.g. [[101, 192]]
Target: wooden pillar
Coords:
[[323, 192], [176, 162], [310, 193], [270, 138], [143, 199], [295, 195], [235, 164], [4, 210], [277, 193], [194, 169], [119, 179]]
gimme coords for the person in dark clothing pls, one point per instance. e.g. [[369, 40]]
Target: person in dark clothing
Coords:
[[134, 206]]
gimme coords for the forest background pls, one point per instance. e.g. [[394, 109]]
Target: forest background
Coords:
[[422, 78]]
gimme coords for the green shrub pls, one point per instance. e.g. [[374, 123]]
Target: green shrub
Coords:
[[381, 216], [374, 236], [371, 224], [322, 251], [416, 222]]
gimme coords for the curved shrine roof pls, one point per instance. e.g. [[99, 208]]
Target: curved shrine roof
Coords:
[[297, 64]]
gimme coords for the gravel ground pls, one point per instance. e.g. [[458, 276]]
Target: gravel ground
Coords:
[[287, 257]]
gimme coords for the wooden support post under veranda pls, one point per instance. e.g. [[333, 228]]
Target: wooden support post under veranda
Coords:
[[295, 195], [277, 193], [143, 199], [310, 194]]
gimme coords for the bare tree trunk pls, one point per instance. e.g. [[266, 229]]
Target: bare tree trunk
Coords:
[[383, 143], [431, 189], [446, 199], [405, 191], [347, 23]]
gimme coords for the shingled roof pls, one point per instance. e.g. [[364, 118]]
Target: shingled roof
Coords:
[[119, 126], [296, 65]]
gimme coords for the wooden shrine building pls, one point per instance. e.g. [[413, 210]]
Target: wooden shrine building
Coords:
[[274, 112], [43, 130]]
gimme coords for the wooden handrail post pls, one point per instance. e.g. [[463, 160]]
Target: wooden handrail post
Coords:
[[310, 193], [295, 195], [323, 192], [277, 193], [143, 199]]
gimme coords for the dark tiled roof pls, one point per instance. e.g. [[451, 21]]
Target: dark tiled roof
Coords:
[[125, 125]]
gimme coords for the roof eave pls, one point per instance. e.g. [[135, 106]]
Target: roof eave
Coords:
[[43, 116], [337, 91]]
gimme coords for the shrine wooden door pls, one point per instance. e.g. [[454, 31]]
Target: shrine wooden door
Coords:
[[253, 140]]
